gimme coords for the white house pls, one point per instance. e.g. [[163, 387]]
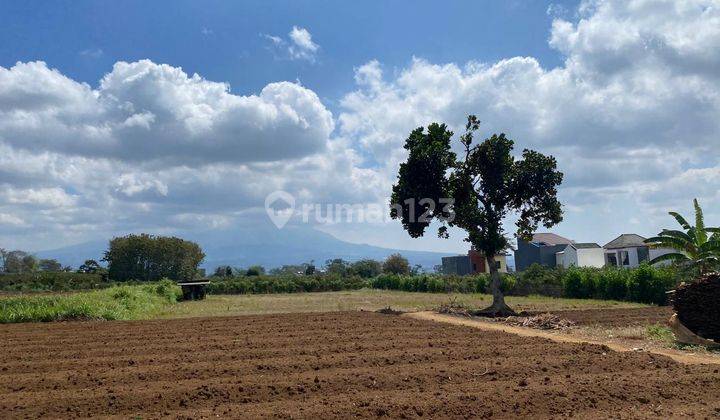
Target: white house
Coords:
[[581, 255], [630, 250]]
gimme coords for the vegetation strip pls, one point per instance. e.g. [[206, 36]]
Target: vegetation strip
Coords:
[[114, 303]]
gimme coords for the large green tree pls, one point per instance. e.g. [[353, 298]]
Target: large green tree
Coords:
[[366, 268], [696, 247], [19, 262], [396, 264], [476, 192], [148, 258], [50, 265]]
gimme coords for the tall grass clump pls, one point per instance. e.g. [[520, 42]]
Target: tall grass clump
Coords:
[[114, 303]]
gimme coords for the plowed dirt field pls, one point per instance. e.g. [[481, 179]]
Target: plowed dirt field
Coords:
[[331, 365]]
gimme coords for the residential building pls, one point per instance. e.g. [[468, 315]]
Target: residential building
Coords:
[[542, 249], [630, 250], [459, 265], [472, 263], [587, 254]]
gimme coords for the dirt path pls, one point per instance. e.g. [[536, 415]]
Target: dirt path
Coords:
[[677, 355], [332, 365]]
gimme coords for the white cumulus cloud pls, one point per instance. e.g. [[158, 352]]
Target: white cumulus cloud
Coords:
[[144, 111], [635, 108], [298, 46]]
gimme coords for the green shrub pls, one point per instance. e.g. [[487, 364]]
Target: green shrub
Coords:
[[507, 284], [284, 284], [660, 333], [612, 283], [46, 281], [539, 280], [648, 285], [168, 290], [589, 282], [573, 284], [480, 283]]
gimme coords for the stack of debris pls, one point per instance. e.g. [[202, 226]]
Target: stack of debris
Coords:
[[389, 311], [546, 321], [698, 306], [453, 307]]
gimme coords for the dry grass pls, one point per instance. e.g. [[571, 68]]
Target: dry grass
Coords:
[[366, 299]]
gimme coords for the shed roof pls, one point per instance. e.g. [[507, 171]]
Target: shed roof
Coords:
[[626, 240], [550, 239], [584, 245]]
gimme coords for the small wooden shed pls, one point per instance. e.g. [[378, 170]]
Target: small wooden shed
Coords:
[[194, 290]]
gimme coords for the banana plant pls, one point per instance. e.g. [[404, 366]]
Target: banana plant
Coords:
[[696, 246]]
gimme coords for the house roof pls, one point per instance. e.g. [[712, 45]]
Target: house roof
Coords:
[[626, 240], [584, 245], [550, 239]]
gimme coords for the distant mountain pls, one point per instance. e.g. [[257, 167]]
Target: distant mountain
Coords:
[[264, 245], [75, 255]]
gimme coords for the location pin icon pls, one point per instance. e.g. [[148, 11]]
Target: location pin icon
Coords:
[[279, 206]]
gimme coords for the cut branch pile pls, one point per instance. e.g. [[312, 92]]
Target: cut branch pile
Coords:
[[546, 321], [453, 307], [698, 306]]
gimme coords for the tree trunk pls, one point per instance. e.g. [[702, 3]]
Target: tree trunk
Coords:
[[498, 308]]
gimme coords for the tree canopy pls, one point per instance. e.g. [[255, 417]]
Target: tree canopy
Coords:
[[396, 264], [475, 192], [149, 258], [18, 262]]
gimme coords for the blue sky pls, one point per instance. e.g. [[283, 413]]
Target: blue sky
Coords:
[[223, 40], [117, 117]]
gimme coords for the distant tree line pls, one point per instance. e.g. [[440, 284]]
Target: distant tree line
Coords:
[[21, 262], [365, 268]]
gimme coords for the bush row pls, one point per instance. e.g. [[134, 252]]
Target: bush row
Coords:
[[285, 284], [51, 281], [644, 284]]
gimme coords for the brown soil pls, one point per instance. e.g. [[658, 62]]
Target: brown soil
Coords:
[[624, 317], [329, 366], [563, 336]]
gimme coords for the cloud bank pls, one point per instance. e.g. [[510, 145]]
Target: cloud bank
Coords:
[[633, 116]]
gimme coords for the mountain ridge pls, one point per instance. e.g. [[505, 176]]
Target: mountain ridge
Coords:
[[269, 247]]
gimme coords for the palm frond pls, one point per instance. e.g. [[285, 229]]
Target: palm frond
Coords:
[[671, 242], [680, 220], [706, 256], [677, 234], [672, 256], [710, 246], [715, 233], [700, 233]]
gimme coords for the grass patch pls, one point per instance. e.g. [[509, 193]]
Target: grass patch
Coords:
[[660, 333], [115, 303]]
